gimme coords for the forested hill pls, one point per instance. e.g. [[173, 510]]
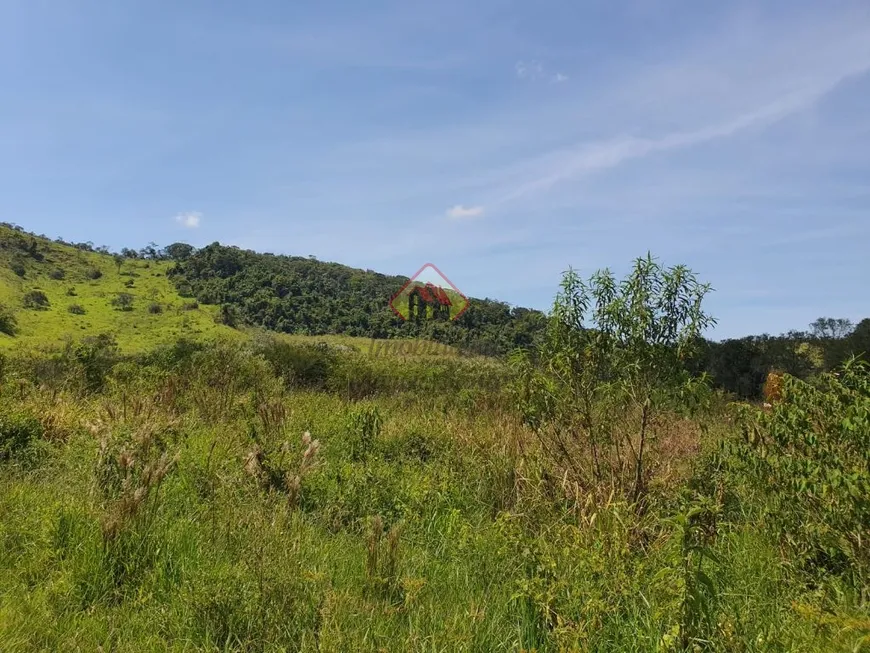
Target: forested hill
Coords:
[[301, 295], [78, 285], [306, 296]]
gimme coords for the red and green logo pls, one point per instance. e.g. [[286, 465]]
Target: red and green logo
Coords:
[[429, 295]]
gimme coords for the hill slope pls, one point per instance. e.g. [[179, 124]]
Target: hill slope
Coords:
[[302, 297], [299, 295], [71, 277], [56, 291]]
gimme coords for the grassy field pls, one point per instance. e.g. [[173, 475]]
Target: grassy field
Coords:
[[157, 315], [137, 329], [200, 488], [183, 507]]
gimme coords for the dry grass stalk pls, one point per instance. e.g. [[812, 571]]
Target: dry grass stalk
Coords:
[[254, 462], [273, 416], [382, 557], [134, 490], [293, 482]]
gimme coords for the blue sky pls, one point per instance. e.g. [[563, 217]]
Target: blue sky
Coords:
[[502, 141]]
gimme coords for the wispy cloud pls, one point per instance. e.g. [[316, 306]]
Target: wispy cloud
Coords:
[[544, 172], [529, 70], [190, 219], [460, 212], [535, 70]]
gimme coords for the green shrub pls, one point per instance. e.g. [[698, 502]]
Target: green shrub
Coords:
[[76, 309], [57, 274], [190, 306], [36, 300], [809, 456], [613, 348], [18, 268], [93, 273], [18, 431], [71, 292], [301, 365], [123, 301], [173, 356], [155, 308], [82, 366], [413, 444], [229, 316], [8, 323]]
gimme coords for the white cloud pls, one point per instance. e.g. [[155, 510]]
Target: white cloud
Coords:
[[546, 171], [460, 212], [189, 219], [535, 70], [529, 70]]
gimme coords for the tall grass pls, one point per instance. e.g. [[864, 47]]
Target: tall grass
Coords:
[[178, 505]]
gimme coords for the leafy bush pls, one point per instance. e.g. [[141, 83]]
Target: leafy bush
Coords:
[[175, 355], [412, 444], [36, 300], [123, 301], [17, 432], [93, 273], [155, 308], [610, 365], [190, 306], [71, 292], [81, 366], [8, 323], [57, 274], [810, 455], [229, 316], [356, 377], [18, 268], [76, 309], [302, 365]]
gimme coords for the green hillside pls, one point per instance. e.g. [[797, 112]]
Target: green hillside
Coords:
[[80, 287], [181, 291]]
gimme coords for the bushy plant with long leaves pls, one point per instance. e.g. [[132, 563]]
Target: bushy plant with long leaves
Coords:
[[809, 456], [612, 348]]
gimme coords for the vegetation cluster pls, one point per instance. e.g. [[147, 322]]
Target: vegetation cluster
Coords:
[[256, 492]]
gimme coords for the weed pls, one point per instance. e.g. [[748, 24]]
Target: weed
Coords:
[[382, 560], [363, 429], [18, 431]]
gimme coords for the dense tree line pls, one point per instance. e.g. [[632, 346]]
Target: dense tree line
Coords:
[[302, 295], [741, 365], [294, 294], [306, 296]]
